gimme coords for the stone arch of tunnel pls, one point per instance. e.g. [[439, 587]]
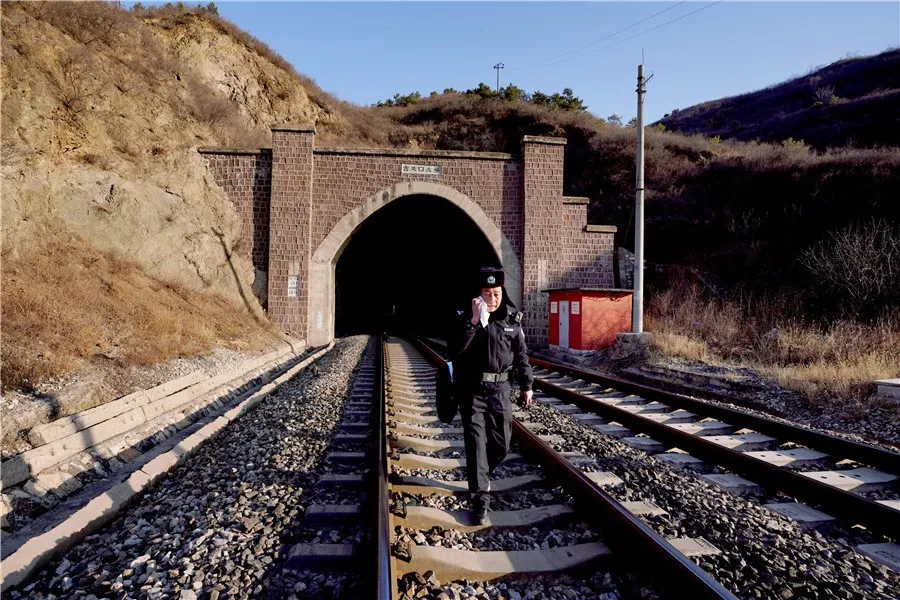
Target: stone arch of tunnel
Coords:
[[420, 241]]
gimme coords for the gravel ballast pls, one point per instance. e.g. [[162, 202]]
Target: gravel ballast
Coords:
[[763, 555], [568, 530], [219, 525]]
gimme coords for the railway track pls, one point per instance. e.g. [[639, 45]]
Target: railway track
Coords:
[[852, 480], [634, 429], [849, 480], [344, 485], [553, 516], [231, 521]]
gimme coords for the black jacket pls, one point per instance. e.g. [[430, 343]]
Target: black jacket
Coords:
[[497, 348]]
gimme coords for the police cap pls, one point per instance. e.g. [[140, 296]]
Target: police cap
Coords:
[[489, 277]]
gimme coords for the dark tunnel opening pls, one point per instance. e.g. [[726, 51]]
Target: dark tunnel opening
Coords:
[[408, 268]]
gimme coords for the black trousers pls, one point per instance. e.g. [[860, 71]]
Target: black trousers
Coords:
[[487, 436]]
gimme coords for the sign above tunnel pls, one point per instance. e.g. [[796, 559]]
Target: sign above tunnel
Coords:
[[420, 169]]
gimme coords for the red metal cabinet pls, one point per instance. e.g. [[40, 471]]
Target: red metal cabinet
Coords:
[[589, 318]]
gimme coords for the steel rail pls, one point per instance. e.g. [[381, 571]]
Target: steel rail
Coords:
[[631, 536], [384, 582], [836, 446], [848, 505]]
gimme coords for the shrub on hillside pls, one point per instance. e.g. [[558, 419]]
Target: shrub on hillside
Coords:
[[87, 22], [206, 105], [75, 82], [859, 265], [824, 94]]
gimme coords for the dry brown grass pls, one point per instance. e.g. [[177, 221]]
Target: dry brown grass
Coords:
[[847, 379], [838, 360], [67, 306], [682, 346]]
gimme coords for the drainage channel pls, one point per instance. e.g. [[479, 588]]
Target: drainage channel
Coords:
[[551, 525]]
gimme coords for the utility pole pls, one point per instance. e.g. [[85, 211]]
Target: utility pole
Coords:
[[637, 306], [498, 66]]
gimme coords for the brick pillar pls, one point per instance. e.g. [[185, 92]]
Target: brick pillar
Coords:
[[543, 183], [290, 212]]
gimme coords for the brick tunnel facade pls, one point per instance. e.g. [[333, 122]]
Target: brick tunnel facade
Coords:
[[300, 205]]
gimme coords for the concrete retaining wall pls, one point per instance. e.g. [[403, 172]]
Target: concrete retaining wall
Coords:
[[100, 441]]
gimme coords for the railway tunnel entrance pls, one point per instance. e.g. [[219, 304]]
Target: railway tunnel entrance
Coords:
[[408, 268], [306, 208]]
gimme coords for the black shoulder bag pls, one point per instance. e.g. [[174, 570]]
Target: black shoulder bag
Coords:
[[447, 402]]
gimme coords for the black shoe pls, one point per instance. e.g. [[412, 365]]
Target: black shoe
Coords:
[[479, 514]]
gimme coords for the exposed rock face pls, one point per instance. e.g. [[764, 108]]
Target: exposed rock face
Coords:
[[100, 135], [181, 231], [102, 187]]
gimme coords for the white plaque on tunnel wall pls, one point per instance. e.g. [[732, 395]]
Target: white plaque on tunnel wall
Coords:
[[293, 285], [576, 308], [553, 308], [420, 169]]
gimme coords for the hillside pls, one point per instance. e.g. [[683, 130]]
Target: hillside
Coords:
[[748, 209], [115, 234], [854, 101]]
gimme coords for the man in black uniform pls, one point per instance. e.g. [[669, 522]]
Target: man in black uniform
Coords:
[[489, 349]]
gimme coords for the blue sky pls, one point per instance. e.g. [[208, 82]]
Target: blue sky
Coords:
[[364, 52]]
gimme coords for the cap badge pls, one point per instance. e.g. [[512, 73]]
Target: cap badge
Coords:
[[491, 279]]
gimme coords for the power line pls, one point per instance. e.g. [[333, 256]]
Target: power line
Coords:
[[604, 38], [659, 26], [556, 62]]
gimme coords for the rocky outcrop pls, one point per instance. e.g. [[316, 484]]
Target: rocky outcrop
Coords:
[[103, 112]]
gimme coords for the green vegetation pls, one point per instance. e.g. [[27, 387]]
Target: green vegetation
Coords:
[[557, 101]]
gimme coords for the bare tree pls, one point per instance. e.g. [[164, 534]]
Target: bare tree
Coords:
[[76, 81], [86, 22], [860, 263]]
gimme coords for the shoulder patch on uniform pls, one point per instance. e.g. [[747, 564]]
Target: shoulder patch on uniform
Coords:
[[518, 317]]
